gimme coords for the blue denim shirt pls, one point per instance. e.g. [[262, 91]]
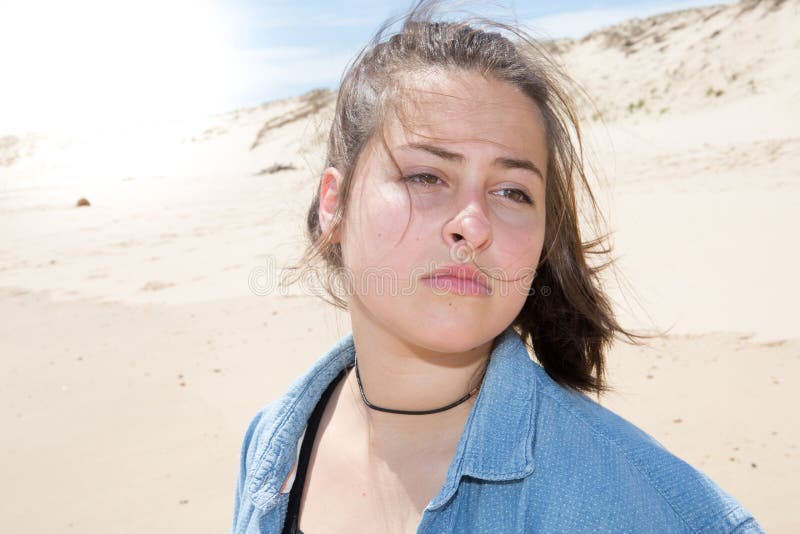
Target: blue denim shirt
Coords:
[[533, 457]]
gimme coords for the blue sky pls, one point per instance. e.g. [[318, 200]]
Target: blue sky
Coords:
[[94, 61], [307, 44]]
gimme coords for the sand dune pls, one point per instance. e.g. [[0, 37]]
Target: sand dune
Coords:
[[140, 334]]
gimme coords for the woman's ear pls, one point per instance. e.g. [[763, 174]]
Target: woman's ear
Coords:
[[329, 188]]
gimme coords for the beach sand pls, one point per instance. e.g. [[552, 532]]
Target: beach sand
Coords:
[[140, 335]]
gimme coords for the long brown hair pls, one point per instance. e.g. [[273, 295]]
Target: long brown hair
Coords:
[[567, 319]]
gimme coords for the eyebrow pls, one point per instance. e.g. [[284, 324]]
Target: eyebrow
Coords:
[[507, 163]]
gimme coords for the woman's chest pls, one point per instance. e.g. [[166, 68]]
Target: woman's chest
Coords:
[[344, 493]]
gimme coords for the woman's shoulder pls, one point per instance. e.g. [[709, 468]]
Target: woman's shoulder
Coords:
[[575, 433], [271, 440], [289, 412]]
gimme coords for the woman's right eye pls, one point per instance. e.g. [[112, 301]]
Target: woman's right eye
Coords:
[[423, 179]]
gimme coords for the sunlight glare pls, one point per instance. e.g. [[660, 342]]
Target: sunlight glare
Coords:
[[88, 63]]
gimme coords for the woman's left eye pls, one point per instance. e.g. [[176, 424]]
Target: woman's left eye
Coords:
[[517, 195], [423, 178]]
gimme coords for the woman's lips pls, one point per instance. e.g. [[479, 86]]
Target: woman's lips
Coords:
[[450, 283]]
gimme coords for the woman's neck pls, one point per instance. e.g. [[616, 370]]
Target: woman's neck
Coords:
[[399, 375]]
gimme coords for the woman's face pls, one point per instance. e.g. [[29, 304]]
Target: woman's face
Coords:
[[442, 251]]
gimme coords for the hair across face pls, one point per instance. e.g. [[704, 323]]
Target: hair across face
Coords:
[[469, 90]]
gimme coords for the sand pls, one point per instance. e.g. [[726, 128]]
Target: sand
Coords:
[[140, 334]]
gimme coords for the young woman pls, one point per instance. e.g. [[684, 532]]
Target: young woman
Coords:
[[447, 221]]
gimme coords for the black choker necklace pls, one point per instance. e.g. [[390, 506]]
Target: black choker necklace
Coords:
[[412, 412]]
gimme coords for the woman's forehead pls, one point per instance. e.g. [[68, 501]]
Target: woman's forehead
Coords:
[[465, 107]]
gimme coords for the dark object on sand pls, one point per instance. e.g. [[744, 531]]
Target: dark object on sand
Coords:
[[276, 167], [82, 202]]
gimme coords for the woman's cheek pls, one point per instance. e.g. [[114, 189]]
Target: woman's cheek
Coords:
[[518, 246], [377, 222]]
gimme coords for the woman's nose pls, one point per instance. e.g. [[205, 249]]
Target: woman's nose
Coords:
[[471, 229]]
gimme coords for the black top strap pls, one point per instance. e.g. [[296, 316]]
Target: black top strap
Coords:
[[293, 510]]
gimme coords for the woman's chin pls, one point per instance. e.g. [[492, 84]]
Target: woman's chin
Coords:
[[452, 336]]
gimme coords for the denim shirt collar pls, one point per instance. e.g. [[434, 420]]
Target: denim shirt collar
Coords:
[[496, 444]]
